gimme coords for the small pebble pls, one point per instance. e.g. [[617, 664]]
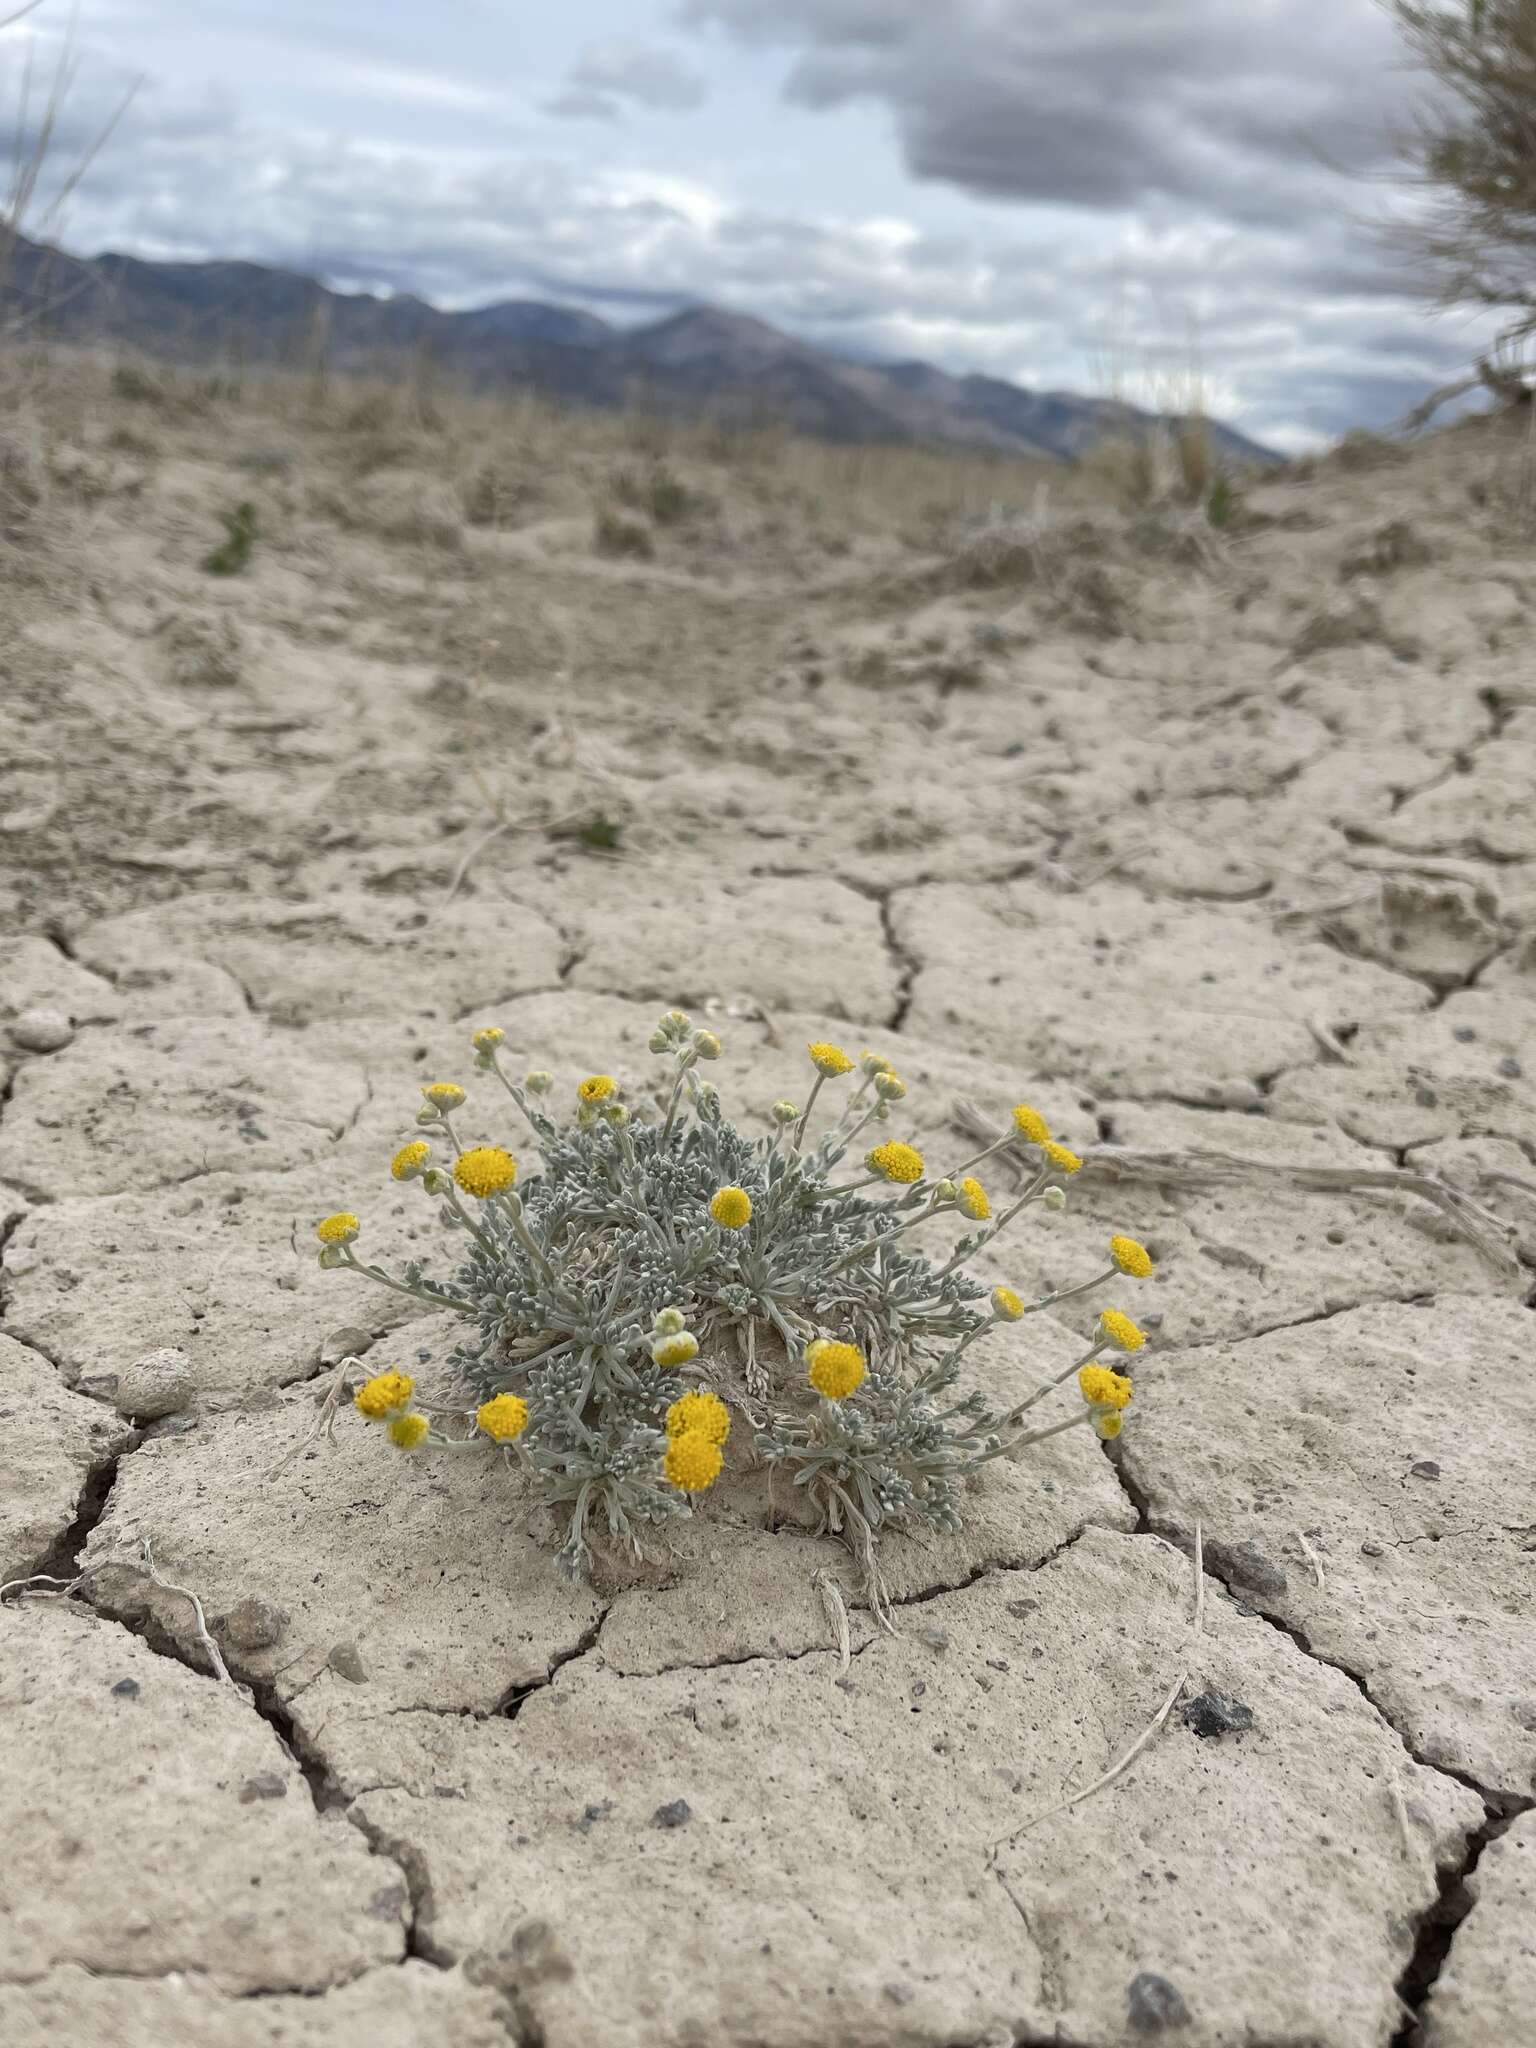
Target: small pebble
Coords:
[[936, 1638], [126, 1689], [1214, 1713], [157, 1384], [253, 1624], [347, 1663], [1154, 2004], [42, 1031], [265, 1785], [675, 1815], [1510, 1067], [1372, 1550], [347, 1342], [1425, 1469]]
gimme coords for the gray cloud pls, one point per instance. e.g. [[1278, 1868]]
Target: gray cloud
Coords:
[[1231, 110], [643, 72], [580, 103]]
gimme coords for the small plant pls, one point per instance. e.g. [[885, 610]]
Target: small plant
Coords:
[[232, 554], [619, 533], [654, 491], [598, 831], [670, 1296]]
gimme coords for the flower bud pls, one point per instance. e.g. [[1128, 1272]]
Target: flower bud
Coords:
[[707, 1045], [669, 1321], [426, 1114], [539, 1082], [784, 1112], [332, 1256], [946, 1191], [1054, 1199], [435, 1181], [616, 1114], [658, 1040], [889, 1087], [679, 1021]]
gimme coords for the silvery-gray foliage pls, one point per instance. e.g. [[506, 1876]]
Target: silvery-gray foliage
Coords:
[[568, 1278]]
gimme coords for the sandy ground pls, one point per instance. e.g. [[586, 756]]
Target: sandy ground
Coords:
[[1220, 847]]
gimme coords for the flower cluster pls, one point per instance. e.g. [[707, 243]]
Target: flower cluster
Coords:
[[663, 1277]]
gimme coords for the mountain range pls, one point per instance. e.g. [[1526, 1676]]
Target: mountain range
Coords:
[[702, 360]]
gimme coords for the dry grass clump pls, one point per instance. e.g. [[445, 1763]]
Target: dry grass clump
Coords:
[[654, 490], [622, 535], [1172, 464]]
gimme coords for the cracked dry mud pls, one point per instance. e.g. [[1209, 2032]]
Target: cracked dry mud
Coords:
[[1230, 856]]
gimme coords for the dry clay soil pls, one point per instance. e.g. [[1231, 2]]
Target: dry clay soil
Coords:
[[1218, 849]]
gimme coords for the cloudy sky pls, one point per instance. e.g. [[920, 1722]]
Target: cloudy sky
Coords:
[[1068, 195]]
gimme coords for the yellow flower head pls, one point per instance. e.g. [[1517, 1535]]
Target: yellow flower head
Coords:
[[1102, 1387], [895, 1161], [1006, 1305], [487, 1038], [836, 1370], [407, 1431], [973, 1200], [706, 1413], [677, 1349], [828, 1059], [596, 1088], [503, 1419], [338, 1229], [1107, 1423], [445, 1094], [1032, 1124], [692, 1463], [383, 1394], [410, 1159], [1064, 1160], [485, 1170], [1131, 1257], [1121, 1331], [731, 1208]]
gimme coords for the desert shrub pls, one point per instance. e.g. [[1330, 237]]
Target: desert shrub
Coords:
[[136, 386], [1473, 152], [668, 1297], [233, 553], [652, 488], [621, 533]]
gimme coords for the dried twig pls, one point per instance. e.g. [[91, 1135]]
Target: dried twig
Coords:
[[1201, 1167], [61, 1588], [220, 1668], [835, 1608], [1159, 1719], [324, 1423], [1327, 1044], [1312, 1559]]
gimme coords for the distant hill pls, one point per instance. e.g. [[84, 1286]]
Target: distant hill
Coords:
[[701, 361]]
